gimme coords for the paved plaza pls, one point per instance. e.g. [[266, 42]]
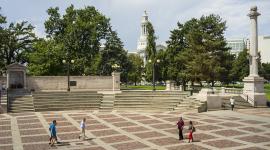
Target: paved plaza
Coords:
[[247, 129]]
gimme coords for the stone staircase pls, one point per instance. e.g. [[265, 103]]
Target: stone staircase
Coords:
[[239, 103], [20, 101], [3, 102], [148, 100], [107, 102], [74, 100], [189, 103]]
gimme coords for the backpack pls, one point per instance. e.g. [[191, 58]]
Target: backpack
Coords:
[[193, 129]]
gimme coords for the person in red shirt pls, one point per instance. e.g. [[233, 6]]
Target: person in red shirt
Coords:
[[191, 129], [180, 125]]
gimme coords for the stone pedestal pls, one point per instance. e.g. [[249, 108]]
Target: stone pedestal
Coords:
[[168, 85], [202, 96], [253, 84], [16, 76], [254, 89], [116, 81]]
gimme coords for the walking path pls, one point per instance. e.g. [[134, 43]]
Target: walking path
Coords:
[[121, 130]]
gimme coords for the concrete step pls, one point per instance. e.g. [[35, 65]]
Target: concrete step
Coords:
[[22, 109], [67, 105], [65, 108]]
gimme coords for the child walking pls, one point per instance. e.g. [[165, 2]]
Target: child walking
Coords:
[[83, 128], [53, 137], [191, 129]]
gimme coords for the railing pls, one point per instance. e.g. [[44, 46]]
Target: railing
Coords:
[[249, 100], [233, 91], [226, 91]]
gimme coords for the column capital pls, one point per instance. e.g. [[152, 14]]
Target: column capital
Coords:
[[253, 12]]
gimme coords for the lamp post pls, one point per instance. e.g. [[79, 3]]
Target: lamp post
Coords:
[[153, 70], [68, 71], [68, 61]]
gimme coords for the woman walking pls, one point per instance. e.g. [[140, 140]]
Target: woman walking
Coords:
[[83, 128], [191, 129]]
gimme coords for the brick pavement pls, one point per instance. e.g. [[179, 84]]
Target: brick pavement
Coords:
[[123, 130]]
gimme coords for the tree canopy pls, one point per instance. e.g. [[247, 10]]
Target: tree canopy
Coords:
[[16, 39], [77, 35]]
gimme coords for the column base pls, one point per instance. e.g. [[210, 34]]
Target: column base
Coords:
[[254, 89]]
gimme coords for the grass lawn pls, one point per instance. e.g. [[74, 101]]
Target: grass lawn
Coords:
[[267, 91], [142, 87]]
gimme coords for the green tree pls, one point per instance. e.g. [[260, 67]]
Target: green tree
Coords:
[[206, 41], [150, 51], [136, 69], [175, 58], [3, 36], [197, 51], [266, 71], [240, 67], [46, 59], [78, 33], [113, 53], [16, 40]]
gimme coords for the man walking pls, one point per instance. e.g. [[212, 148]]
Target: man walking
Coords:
[[232, 102], [180, 125]]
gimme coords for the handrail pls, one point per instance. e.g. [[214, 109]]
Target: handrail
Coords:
[[248, 98], [233, 90]]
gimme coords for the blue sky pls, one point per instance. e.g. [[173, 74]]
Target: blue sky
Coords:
[[125, 15]]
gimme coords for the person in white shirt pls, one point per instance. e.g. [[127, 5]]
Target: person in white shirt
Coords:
[[232, 102], [83, 128]]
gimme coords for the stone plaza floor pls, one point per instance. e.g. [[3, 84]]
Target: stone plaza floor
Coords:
[[247, 129]]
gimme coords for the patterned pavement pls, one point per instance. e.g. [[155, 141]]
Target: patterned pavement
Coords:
[[247, 129]]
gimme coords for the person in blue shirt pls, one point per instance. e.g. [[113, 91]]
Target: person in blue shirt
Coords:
[[52, 129]]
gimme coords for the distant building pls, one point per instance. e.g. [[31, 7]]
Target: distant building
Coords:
[[142, 42], [236, 45], [264, 48]]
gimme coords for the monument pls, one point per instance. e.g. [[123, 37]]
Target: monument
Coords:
[[254, 84], [16, 76], [142, 43]]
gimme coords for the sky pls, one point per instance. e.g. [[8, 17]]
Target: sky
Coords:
[[125, 15]]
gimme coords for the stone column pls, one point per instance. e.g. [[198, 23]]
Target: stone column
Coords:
[[254, 84], [253, 52], [8, 76], [24, 79]]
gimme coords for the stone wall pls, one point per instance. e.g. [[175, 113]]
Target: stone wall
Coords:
[[3, 81], [59, 83]]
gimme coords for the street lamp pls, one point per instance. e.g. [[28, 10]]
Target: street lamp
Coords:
[[115, 67], [68, 70], [153, 70]]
